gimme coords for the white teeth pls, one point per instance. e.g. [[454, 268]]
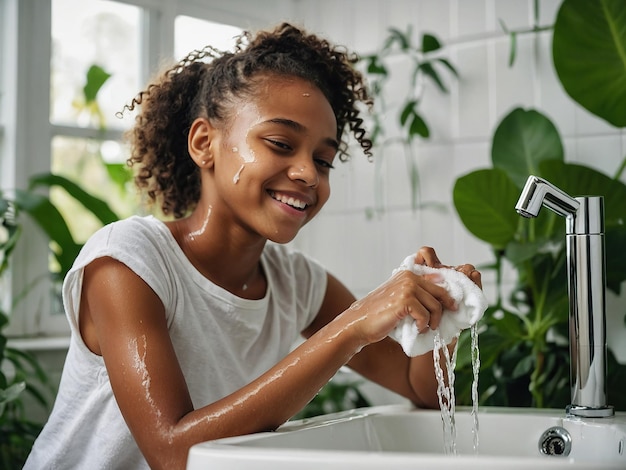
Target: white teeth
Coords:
[[297, 203]]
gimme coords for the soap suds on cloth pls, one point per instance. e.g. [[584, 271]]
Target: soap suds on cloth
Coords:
[[470, 299]]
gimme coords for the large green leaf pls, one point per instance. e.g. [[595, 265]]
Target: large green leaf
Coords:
[[96, 206], [589, 52], [523, 139], [615, 241], [47, 216], [96, 77], [616, 381], [485, 201], [12, 392]]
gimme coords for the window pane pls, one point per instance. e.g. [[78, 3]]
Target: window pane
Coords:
[[86, 33], [193, 33]]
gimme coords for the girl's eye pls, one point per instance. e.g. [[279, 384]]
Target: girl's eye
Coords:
[[323, 163], [279, 144]]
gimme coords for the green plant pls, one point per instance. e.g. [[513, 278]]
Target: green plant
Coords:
[[87, 104], [20, 373], [524, 345], [9, 232], [23, 372], [48, 217], [425, 62], [89, 111], [524, 349], [515, 33]]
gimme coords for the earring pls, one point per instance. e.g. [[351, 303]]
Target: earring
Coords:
[[204, 162]]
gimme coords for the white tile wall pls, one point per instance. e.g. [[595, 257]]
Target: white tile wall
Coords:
[[474, 112], [474, 15], [514, 14], [363, 251]]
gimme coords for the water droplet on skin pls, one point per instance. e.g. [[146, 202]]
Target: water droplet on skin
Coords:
[[205, 223], [238, 174], [139, 363]]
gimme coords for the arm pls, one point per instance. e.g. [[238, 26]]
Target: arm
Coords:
[[129, 330]]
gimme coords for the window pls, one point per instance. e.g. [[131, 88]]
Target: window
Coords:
[[193, 33], [95, 70], [72, 65]]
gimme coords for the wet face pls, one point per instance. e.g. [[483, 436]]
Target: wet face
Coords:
[[274, 158]]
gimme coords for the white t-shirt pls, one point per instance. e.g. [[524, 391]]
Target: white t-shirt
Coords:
[[222, 341]]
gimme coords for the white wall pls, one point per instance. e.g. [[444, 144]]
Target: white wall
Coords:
[[363, 251]]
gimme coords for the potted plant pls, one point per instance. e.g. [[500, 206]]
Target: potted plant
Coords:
[[524, 345]]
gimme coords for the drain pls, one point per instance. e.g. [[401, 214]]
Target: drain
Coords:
[[555, 441]]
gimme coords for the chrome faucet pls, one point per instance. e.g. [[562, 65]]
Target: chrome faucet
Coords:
[[584, 234]]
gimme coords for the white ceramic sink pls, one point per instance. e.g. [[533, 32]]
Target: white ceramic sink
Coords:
[[398, 437]]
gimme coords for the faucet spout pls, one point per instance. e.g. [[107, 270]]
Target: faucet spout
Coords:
[[538, 192], [586, 289]]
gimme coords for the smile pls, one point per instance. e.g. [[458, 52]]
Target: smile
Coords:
[[290, 201]]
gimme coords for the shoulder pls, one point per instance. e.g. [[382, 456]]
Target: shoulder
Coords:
[[135, 234], [143, 244], [129, 228], [125, 255]]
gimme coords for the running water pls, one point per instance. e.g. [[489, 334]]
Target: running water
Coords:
[[445, 392], [475, 369]]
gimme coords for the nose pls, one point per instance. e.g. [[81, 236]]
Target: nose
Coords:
[[304, 169]]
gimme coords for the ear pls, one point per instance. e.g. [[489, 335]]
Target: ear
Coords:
[[200, 142]]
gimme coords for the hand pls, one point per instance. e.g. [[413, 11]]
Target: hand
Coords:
[[470, 271], [426, 255], [404, 294]]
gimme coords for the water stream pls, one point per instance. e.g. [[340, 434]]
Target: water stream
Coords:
[[445, 389], [475, 369]]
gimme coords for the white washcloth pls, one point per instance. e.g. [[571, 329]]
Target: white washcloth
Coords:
[[469, 298]]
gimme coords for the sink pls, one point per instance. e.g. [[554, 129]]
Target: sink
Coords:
[[396, 437]]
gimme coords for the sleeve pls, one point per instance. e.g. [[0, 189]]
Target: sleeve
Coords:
[[130, 243]]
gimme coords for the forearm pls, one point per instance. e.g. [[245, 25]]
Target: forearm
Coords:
[[274, 397], [411, 377]]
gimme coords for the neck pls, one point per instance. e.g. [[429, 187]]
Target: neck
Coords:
[[230, 259]]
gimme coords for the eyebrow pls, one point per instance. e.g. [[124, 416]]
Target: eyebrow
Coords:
[[300, 128]]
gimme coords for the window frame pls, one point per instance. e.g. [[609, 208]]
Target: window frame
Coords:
[[26, 132]]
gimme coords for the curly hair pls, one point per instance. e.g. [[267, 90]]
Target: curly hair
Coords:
[[207, 80]]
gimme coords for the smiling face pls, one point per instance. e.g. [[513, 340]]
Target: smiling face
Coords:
[[271, 162]]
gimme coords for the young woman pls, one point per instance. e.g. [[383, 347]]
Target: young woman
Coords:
[[182, 330]]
